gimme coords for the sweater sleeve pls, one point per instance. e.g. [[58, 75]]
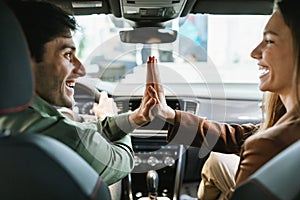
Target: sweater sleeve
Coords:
[[197, 131]]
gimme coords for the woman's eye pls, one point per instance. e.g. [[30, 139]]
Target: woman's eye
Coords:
[[269, 41]]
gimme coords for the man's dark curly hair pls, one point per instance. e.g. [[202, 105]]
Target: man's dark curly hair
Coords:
[[42, 22]]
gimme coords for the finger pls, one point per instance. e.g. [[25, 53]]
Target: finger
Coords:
[[145, 99], [95, 105], [103, 96], [155, 71], [110, 100], [115, 108], [160, 91], [153, 76], [150, 104], [149, 76], [157, 81], [153, 94], [146, 95], [95, 108]]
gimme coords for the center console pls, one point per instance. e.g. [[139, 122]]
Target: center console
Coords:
[[153, 153]]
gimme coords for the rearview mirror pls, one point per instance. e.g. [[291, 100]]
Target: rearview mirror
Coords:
[[148, 35]]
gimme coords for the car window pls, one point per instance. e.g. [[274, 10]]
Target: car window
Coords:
[[223, 42]]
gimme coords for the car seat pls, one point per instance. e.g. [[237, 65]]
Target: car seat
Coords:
[[278, 179], [34, 166]]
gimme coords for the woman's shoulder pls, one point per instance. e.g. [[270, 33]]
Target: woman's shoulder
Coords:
[[279, 136]]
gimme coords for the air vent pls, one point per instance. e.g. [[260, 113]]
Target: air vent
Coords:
[[120, 107], [127, 104], [191, 106], [159, 1], [87, 4]]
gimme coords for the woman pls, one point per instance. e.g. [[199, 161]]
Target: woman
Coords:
[[278, 59], [218, 172]]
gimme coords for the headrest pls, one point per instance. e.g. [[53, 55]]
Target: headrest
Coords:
[[16, 84]]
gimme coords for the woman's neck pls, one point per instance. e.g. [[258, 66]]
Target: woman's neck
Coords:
[[289, 101]]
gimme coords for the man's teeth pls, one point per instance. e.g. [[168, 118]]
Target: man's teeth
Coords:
[[70, 84]]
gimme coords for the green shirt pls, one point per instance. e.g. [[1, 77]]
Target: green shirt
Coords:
[[105, 145]]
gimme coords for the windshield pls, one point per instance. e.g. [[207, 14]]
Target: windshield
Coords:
[[209, 48]]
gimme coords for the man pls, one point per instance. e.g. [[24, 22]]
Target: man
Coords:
[[104, 144]]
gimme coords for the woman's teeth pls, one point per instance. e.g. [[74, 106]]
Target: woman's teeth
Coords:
[[263, 71]]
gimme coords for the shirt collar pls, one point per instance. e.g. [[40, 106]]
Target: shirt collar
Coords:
[[44, 107]]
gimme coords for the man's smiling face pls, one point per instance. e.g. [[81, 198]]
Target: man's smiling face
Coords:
[[55, 76]]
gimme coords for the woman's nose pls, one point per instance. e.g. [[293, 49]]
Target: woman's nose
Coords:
[[256, 52]]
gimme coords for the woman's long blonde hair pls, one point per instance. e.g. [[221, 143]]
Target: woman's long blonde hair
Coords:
[[272, 110]]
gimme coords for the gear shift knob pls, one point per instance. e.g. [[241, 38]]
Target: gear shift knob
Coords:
[[152, 184]]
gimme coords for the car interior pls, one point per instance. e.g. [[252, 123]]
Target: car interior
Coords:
[[138, 29]]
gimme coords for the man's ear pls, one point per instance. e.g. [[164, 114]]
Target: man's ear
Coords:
[[33, 64]]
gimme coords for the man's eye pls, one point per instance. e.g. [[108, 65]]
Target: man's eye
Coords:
[[69, 55]]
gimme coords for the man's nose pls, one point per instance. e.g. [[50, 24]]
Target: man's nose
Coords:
[[79, 68]]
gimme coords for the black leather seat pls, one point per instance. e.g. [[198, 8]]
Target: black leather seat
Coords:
[[34, 166], [278, 179]]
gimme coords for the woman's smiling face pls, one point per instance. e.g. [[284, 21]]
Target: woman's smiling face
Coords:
[[275, 56]]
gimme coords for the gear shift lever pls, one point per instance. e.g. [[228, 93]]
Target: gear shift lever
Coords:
[[152, 184]]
